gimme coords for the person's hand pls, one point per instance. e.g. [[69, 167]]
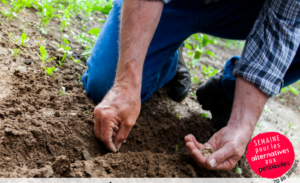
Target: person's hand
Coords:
[[116, 115], [230, 143]]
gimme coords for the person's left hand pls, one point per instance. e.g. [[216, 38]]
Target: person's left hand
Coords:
[[230, 143]]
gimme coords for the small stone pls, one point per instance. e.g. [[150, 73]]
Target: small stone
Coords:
[[87, 169], [28, 61], [86, 155]]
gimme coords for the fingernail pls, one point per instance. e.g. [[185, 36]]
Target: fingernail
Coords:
[[212, 163]]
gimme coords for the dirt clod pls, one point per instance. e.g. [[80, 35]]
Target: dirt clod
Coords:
[[61, 165]]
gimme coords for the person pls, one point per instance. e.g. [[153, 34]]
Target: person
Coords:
[[137, 53]]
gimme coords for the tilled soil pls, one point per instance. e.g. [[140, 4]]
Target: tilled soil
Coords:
[[46, 134]]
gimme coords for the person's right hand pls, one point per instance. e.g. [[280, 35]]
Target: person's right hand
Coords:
[[116, 115]]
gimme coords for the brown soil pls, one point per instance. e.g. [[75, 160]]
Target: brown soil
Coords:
[[207, 151], [45, 134]]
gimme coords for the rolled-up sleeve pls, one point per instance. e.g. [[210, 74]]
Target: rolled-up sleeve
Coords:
[[271, 46]]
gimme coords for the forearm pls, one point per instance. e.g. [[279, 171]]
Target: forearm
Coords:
[[139, 20], [248, 104]]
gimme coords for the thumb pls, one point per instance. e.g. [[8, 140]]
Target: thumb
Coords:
[[218, 159], [122, 134]]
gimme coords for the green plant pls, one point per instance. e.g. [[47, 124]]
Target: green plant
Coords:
[[44, 55], [94, 31], [76, 61], [62, 60], [205, 115], [64, 48], [63, 92], [294, 90], [209, 71], [49, 70], [195, 80], [24, 39], [198, 42], [79, 79], [15, 52], [176, 147], [237, 169]]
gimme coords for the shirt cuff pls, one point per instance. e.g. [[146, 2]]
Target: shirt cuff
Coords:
[[259, 75]]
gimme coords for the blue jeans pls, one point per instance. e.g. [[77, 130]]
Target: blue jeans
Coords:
[[230, 19]]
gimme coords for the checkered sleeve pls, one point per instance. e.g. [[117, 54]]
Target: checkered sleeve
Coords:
[[271, 46]]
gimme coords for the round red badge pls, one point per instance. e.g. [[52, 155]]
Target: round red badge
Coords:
[[270, 155]]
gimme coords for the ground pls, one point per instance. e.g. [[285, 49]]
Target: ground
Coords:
[[47, 133]]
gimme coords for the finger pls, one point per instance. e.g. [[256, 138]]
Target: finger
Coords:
[[191, 138], [219, 159], [116, 128], [122, 134], [106, 135], [199, 158]]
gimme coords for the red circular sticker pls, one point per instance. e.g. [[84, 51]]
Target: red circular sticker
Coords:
[[270, 155]]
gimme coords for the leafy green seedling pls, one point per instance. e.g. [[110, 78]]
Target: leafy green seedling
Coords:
[[282, 100], [76, 61], [193, 93], [178, 116], [205, 115], [44, 55], [209, 71], [62, 91], [267, 109], [293, 90], [237, 169], [195, 80], [79, 79], [24, 39], [94, 31], [62, 60], [15, 52], [176, 147], [292, 127], [49, 70]]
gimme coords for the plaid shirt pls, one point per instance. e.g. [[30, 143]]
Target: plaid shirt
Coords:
[[271, 45]]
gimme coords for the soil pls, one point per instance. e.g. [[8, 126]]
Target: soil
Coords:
[[46, 134], [207, 152]]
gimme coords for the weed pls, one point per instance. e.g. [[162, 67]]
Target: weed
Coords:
[[176, 147], [282, 100], [24, 39]]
